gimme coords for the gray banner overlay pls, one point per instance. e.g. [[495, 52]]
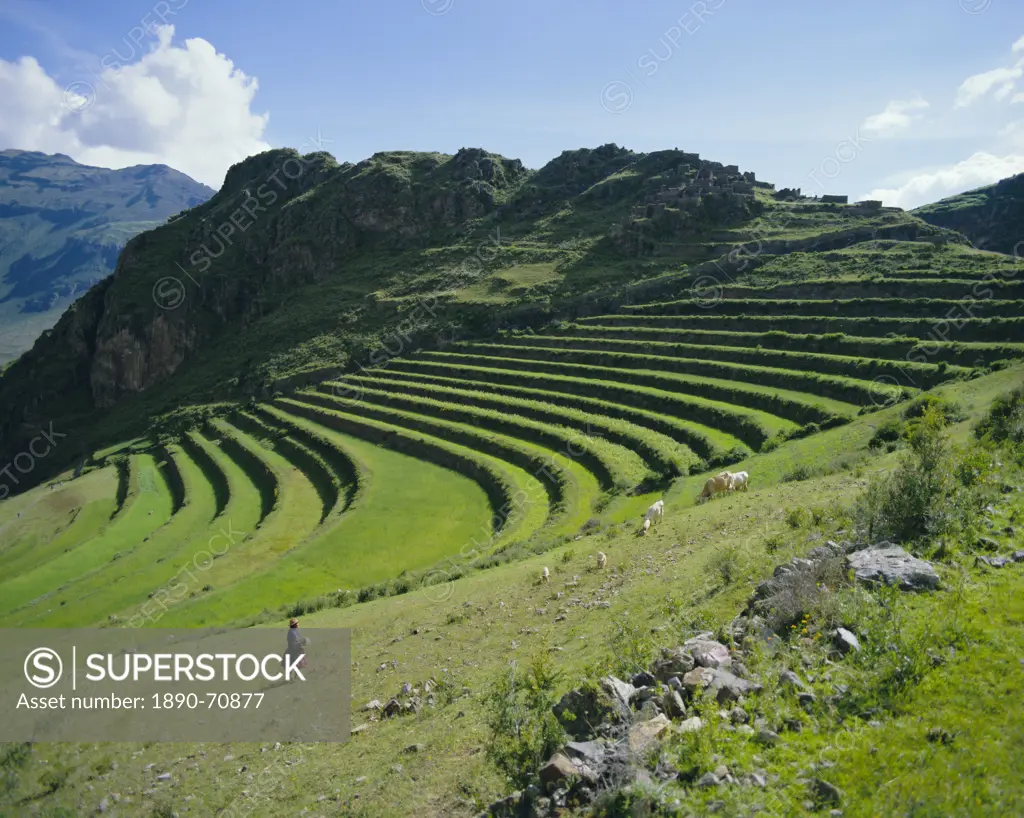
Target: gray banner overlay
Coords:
[[160, 684]]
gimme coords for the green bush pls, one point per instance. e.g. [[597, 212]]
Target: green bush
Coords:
[[524, 732], [887, 435], [935, 490], [1004, 423]]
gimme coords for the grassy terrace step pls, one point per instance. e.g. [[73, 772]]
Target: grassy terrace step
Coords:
[[852, 307], [240, 552], [958, 326], [102, 587], [351, 474], [614, 466], [409, 516], [895, 349], [888, 287], [707, 442], [211, 469], [519, 503], [652, 391], [572, 489], [243, 511], [316, 470], [796, 392], [920, 375], [45, 523], [662, 454], [149, 507], [256, 471]]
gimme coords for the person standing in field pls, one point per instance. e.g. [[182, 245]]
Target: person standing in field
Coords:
[[296, 644]]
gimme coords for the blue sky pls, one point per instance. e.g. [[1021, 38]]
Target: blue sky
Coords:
[[785, 90]]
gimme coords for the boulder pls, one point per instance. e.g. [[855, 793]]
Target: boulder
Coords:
[[392, 708], [708, 653], [845, 641], [891, 565], [698, 679], [825, 793], [644, 734], [643, 679], [672, 704], [581, 711], [591, 753], [729, 688], [691, 725], [673, 662], [993, 562], [559, 768], [789, 679]]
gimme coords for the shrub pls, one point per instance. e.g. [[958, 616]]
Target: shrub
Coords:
[[797, 517], [524, 732], [887, 435], [951, 411], [797, 473], [1004, 423], [935, 490]]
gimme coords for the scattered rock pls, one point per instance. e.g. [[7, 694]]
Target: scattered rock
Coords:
[[415, 748], [374, 704], [889, 564], [789, 679], [164, 777], [825, 793], [807, 700], [708, 653], [707, 781], [691, 725], [672, 704], [643, 679], [673, 662], [845, 641], [754, 780], [581, 711], [993, 562], [729, 688], [644, 734], [767, 737], [559, 768], [619, 690], [360, 729], [986, 544], [1017, 556], [590, 753]]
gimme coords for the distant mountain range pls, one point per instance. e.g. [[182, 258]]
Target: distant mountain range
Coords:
[[991, 217], [62, 226]]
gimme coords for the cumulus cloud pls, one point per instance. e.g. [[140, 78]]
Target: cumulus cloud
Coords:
[[185, 106], [977, 170], [897, 117], [1000, 81]]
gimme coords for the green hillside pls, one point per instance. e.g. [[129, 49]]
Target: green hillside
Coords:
[[992, 217], [410, 384]]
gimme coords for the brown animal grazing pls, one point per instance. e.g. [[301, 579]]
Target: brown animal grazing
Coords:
[[719, 484]]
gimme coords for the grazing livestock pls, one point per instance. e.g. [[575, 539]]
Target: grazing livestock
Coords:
[[719, 484], [602, 560], [740, 481], [656, 511], [545, 574], [646, 526]]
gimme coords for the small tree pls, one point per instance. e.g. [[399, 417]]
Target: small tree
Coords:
[[524, 731]]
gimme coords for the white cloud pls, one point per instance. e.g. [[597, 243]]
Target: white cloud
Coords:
[[184, 106], [1001, 81], [897, 117], [976, 171], [1019, 45]]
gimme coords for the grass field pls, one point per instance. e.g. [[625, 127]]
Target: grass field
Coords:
[[475, 465]]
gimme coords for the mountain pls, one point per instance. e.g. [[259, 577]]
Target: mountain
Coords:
[[991, 217], [62, 226], [300, 267]]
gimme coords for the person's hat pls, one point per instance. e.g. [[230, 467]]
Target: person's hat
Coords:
[[294, 623]]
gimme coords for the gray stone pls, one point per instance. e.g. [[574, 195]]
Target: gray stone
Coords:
[[1017, 556], [721, 771], [589, 752], [164, 777], [708, 653], [729, 688], [993, 562], [581, 711], [650, 709], [672, 704], [987, 544], [643, 679], [891, 565], [767, 737], [845, 641], [691, 725], [825, 793], [789, 679], [754, 780], [415, 748], [619, 690], [673, 662], [807, 700], [739, 716], [675, 683], [707, 781]]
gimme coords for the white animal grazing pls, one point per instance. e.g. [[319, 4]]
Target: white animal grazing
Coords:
[[602, 560], [545, 574], [647, 525], [739, 481], [656, 511]]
